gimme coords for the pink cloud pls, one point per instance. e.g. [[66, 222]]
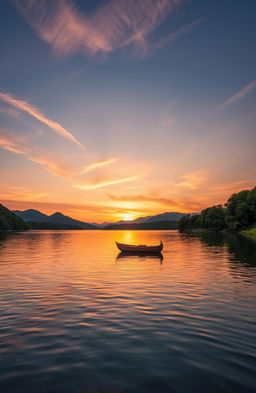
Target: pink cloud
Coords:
[[117, 24], [34, 112], [240, 95], [19, 145]]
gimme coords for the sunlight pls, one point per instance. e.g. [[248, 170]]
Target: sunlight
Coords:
[[127, 216]]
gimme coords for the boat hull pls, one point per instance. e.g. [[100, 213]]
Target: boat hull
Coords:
[[140, 249]]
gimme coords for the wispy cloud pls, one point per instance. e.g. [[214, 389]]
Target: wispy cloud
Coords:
[[184, 204], [10, 112], [97, 164], [34, 112], [55, 165], [105, 183], [20, 145], [192, 180], [144, 198], [240, 95], [117, 24], [9, 192], [185, 29]]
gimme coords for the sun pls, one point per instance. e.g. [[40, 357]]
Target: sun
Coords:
[[127, 216]]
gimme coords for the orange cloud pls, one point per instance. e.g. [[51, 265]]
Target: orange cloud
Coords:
[[97, 164], [144, 198], [183, 204], [105, 183], [22, 146], [34, 112], [9, 192], [192, 180], [117, 24]]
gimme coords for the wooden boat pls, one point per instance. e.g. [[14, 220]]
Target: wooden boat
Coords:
[[140, 248]]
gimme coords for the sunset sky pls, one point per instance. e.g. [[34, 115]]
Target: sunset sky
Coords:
[[116, 109]]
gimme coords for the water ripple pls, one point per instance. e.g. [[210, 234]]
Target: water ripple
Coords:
[[77, 318]]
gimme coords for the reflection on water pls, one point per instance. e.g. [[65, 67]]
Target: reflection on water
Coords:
[[144, 256], [76, 316]]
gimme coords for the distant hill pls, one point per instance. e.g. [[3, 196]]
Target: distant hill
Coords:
[[59, 218], [31, 215], [165, 220], [49, 225], [156, 225], [163, 217], [34, 216], [168, 216], [10, 221]]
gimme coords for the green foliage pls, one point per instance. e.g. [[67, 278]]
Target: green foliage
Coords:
[[183, 223], [213, 218], [250, 232], [241, 210], [195, 222], [239, 213], [9, 220]]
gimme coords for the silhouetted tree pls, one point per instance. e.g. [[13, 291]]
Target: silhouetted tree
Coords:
[[213, 218], [241, 210], [183, 223], [9, 220], [239, 213]]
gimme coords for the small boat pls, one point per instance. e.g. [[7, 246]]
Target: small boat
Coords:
[[140, 248]]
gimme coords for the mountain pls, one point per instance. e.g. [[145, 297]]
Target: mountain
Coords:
[[34, 216], [102, 225], [59, 218], [168, 216], [9, 220], [49, 225], [31, 215], [144, 226]]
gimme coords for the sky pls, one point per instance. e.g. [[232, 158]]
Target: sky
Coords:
[[115, 109]]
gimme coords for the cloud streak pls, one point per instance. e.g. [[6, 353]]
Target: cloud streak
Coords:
[[192, 180], [184, 204], [185, 29], [105, 183], [97, 164], [22, 146], [9, 192], [34, 112], [240, 95], [117, 24]]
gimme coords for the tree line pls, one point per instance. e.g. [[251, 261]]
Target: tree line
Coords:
[[237, 214], [9, 220]]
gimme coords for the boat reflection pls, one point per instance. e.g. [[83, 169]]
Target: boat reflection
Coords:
[[124, 255]]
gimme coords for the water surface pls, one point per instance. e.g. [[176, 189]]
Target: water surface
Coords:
[[78, 317]]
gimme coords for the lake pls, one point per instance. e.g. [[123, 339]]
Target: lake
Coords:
[[78, 317]]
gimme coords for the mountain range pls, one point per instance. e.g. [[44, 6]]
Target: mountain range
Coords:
[[32, 215], [168, 216], [35, 216]]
